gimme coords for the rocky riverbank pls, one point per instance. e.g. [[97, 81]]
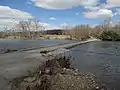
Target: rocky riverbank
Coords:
[[57, 74]]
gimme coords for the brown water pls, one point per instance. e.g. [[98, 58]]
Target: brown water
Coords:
[[102, 59]]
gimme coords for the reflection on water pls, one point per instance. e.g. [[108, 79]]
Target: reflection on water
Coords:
[[102, 59]]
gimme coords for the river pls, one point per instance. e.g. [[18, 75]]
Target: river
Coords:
[[100, 58], [24, 44]]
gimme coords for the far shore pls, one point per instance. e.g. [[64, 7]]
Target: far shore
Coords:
[[50, 37], [58, 37]]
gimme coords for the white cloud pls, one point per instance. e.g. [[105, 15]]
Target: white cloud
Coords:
[[46, 26], [110, 4], [113, 2], [92, 8], [7, 12], [9, 17], [9, 23], [101, 13], [66, 25], [52, 18], [63, 4], [49, 26], [90, 2]]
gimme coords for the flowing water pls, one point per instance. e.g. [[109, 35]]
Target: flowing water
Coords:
[[25, 44], [102, 59]]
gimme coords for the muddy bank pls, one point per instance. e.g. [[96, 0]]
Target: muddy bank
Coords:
[[57, 74]]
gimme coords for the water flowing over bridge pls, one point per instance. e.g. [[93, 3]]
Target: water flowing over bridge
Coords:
[[19, 64]]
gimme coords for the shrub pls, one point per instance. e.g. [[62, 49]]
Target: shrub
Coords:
[[110, 35]]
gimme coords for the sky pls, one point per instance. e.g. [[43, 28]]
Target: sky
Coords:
[[58, 13]]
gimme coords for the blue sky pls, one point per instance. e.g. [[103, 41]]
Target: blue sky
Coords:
[[57, 13]]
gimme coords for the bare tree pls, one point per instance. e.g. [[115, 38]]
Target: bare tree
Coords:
[[29, 29], [25, 27], [22, 28], [39, 28], [80, 31]]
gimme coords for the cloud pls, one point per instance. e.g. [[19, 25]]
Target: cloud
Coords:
[[63, 4], [52, 18], [92, 8], [49, 26], [91, 2], [10, 17], [66, 25], [101, 13], [9, 23], [9, 13], [12, 24], [110, 4], [113, 2]]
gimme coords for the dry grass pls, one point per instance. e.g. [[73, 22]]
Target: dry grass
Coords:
[[59, 37]]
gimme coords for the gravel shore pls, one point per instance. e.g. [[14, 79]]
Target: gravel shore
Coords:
[[57, 74]]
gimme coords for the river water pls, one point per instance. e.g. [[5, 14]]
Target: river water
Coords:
[[100, 58], [24, 44]]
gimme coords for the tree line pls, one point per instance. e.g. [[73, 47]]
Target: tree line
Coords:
[[105, 32], [35, 29], [24, 29]]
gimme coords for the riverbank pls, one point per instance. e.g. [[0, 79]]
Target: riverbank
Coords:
[[51, 37], [57, 74], [57, 37], [47, 36]]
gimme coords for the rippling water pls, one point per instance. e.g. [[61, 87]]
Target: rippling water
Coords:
[[102, 59], [24, 44]]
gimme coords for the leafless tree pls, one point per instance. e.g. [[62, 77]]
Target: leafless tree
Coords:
[[25, 27], [79, 32], [29, 29], [39, 27]]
